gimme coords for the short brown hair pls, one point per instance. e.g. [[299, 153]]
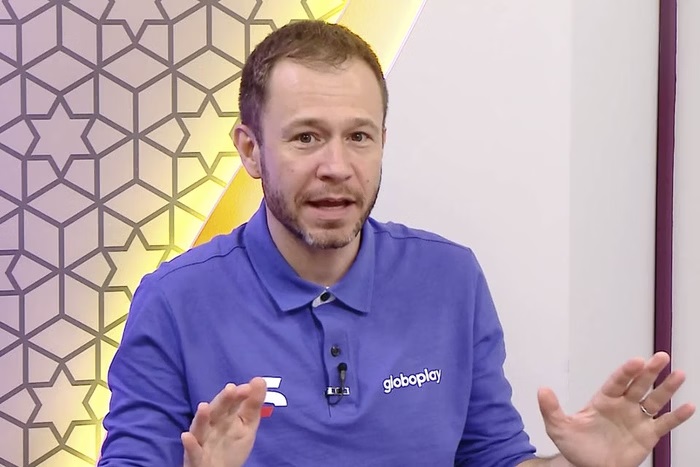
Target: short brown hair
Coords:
[[309, 41]]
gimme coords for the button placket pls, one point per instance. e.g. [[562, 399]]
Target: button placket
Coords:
[[336, 351]]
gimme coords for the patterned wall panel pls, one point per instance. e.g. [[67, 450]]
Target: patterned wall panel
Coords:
[[114, 147]]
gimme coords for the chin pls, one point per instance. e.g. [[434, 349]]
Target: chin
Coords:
[[329, 240]]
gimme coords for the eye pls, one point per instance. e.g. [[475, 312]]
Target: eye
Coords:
[[359, 137], [305, 138]]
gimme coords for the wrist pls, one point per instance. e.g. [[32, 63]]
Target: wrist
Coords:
[[560, 461], [555, 461]]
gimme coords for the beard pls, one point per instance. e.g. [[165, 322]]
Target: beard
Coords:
[[286, 211]]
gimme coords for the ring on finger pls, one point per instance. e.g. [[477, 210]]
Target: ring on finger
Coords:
[[644, 409]]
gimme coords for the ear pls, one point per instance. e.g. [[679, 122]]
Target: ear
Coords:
[[248, 148]]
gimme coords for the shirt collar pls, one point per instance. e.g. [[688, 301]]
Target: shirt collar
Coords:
[[288, 289]]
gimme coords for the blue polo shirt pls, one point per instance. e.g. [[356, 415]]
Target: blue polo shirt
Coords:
[[412, 322]]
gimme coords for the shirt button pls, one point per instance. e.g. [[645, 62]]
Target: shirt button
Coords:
[[335, 351], [325, 296]]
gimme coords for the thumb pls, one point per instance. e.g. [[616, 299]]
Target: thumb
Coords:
[[193, 451], [550, 408]]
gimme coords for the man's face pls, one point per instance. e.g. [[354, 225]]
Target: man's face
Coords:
[[322, 151]]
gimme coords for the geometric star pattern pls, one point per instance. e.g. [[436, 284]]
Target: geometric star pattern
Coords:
[[114, 147]]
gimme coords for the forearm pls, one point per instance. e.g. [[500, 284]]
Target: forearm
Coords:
[[556, 461]]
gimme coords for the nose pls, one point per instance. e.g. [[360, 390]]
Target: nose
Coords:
[[334, 161]]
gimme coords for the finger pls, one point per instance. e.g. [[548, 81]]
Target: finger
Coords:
[[552, 413], [223, 403], [228, 402], [645, 380], [249, 410], [671, 420], [200, 423], [193, 451], [659, 397], [618, 382]]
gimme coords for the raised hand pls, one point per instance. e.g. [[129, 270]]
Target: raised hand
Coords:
[[619, 426], [223, 431]]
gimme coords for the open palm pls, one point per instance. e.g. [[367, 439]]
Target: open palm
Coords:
[[223, 431], [613, 430]]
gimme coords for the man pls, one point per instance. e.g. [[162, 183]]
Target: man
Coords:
[[362, 343]]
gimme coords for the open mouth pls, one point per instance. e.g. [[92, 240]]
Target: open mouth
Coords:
[[331, 203]]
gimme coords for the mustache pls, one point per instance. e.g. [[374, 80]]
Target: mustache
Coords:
[[334, 192]]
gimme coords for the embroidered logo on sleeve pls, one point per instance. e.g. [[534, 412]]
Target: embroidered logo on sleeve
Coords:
[[416, 379], [272, 398]]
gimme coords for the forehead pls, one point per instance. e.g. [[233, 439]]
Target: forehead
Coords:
[[350, 90]]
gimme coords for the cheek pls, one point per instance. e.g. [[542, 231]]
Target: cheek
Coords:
[[370, 175], [294, 181], [278, 170]]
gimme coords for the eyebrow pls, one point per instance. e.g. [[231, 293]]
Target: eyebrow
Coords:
[[315, 122]]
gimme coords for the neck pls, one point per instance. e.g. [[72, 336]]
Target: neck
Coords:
[[320, 266]]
